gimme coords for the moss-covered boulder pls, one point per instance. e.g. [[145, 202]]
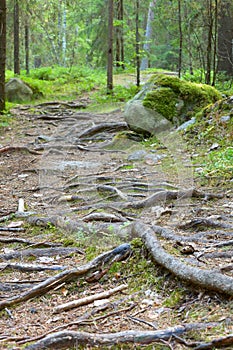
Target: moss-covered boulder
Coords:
[[167, 101]]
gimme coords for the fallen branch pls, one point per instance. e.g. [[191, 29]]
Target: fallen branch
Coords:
[[117, 254], [82, 320], [208, 279], [89, 299], [70, 339]]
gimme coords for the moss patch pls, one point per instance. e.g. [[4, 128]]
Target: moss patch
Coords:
[[175, 98], [163, 100]]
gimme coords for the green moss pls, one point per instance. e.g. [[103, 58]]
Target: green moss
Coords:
[[176, 98], [163, 100]]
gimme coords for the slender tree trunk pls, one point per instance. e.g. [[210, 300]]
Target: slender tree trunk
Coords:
[[16, 38], [27, 46], [122, 34], [225, 37], [118, 42], [119, 36], [2, 53], [215, 42], [64, 33], [110, 47], [209, 42], [148, 35], [180, 39], [137, 49]]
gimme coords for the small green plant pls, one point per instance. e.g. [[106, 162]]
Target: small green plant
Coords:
[[220, 163]]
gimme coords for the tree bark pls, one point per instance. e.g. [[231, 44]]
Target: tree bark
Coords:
[[137, 48], [27, 46], [2, 53], [70, 339], [208, 279], [110, 47], [180, 39], [16, 38], [225, 37]]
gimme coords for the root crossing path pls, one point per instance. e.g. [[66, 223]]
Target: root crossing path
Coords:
[[79, 185]]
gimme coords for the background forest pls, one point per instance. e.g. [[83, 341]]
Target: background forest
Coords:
[[182, 35]]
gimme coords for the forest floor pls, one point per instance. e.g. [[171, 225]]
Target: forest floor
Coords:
[[73, 182]]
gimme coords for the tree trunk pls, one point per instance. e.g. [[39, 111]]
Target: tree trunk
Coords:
[[180, 39], [110, 47], [209, 42], [16, 38], [27, 46], [119, 36], [137, 48], [122, 35], [225, 38], [2, 53], [215, 42], [148, 35]]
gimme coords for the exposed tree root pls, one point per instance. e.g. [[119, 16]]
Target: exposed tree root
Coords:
[[100, 262], [30, 267], [40, 252], [110, 127], [217, 343], [69, 339], [18, 148], [208, 279], [204, 222]]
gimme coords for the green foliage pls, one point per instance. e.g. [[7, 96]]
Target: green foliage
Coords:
[[174, 298], [219, 163], [120, 94]]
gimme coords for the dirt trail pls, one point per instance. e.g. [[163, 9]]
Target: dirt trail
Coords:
[[93, 185]]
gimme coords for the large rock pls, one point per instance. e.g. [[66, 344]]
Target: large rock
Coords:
[[166, 101], [144, 120], [17, 91]]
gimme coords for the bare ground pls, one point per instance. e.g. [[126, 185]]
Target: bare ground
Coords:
[[87, 189]]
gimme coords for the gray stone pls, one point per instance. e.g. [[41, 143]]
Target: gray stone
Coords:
[[137, 155], [185, 125], [17, 91], [142, 119], [225, 118]]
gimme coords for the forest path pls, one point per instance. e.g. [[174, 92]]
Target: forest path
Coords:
[[86, 174]]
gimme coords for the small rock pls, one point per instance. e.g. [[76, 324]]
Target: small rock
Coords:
[[137, 155], [225, 118], [213, 147], [186, 124]]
